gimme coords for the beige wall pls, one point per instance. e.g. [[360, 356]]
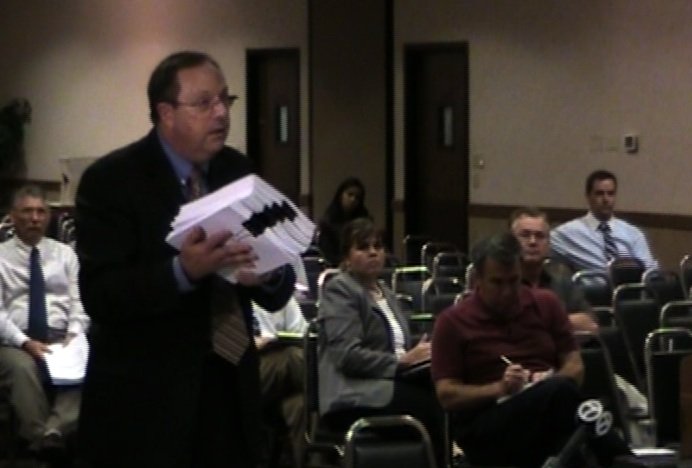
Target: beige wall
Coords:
[[555, 85], [553, 88], [84, 64]]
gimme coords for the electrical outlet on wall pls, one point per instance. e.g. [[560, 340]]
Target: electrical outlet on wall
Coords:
[[630, 141]]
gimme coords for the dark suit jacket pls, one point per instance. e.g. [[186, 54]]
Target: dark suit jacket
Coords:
[[149, 341]]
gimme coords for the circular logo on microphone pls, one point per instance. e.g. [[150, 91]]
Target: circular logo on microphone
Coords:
[[589, 411], [603, 424]]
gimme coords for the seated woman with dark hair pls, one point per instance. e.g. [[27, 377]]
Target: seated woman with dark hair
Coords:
[[365, 343], [348, 204]]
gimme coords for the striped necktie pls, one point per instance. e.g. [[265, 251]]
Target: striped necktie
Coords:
[[229, 333], [609, 247]]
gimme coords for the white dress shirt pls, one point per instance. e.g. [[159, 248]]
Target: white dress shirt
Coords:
[[288, 319], [580, 243], [63, 305]]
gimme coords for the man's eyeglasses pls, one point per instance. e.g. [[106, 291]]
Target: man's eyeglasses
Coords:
[[206, 104]]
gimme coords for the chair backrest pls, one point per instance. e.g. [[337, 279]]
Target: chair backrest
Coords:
[[409, 281], [413, 243], [388, 441], [449, 264], [311, 406], [676, 314], [664, 350], [440, 290], [637, 315], [430, 249], [595, 285], [322, 280], [686, 273], [314, 266], [599, 379], [665, 285], [469, 278], [624, 270]]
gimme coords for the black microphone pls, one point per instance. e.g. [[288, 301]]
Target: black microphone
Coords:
[[593, 421]]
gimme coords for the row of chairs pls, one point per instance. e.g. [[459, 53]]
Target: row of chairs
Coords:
[[369, 442], [62, 228]]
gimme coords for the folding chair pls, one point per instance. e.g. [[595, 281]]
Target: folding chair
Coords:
[[676, 314], [381, 441], [665, 285], [431, 249], [322, 280], [623, 270], [438, 291], [636, 314], [319, 438], [686, 273], [449, 265], [664, 350], [469, 279], [599, 379], [596, 287], [409, 281], [413, 243], [314, 266]]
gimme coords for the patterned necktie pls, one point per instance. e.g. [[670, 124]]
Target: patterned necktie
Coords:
[[229, 333], [195, 183], [229, 336], [609, 247], [38, 317]]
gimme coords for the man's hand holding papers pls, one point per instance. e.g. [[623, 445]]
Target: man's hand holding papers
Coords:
[[246, 225]]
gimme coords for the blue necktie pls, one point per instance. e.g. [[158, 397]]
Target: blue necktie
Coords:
[[38, 318]]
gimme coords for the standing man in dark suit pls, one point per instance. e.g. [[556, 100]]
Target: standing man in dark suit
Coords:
[[158, 392]]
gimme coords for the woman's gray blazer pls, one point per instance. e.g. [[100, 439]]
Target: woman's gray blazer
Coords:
[[357, 363]]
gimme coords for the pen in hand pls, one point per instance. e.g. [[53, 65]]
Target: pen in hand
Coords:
[[506, 360]]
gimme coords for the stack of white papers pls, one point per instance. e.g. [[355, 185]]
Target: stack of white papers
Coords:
[[67, 364], [255, 213]]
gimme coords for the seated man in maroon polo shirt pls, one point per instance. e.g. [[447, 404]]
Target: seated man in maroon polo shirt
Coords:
[[507, 368]]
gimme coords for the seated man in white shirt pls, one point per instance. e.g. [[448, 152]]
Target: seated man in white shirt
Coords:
[[590, 242], [29, 322], [281, 367]]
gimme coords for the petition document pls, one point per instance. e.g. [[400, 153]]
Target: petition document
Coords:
[[67, 364]]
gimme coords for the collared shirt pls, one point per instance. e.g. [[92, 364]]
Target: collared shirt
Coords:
[[63, 304], [581, 244], [182, 168], [288, 319], [469, 340]]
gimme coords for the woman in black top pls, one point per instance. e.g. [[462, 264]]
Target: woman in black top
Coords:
[[348, 204]]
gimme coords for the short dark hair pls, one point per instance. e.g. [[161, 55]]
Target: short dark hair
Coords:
[[29, 190], [163, 83], [530, 211], [504, 248], [356, 232], [597, 176]]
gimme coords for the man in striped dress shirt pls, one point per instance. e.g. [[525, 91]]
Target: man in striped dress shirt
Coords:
[[591, 241]]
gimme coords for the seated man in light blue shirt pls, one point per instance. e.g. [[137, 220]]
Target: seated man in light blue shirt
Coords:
[[590, 242]]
